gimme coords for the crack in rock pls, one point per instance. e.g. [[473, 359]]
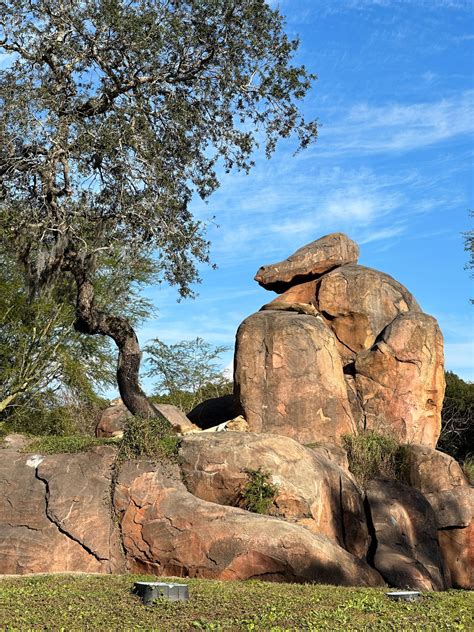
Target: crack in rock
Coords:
[[58, 525]]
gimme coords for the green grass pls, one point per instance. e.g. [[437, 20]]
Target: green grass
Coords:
[[51, 444], [92, 602]]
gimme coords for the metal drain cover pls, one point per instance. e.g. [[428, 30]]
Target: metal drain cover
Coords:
[[150, 591], [404, 595]]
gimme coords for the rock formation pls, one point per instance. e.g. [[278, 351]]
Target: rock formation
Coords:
[[342, 349], [343, 346]]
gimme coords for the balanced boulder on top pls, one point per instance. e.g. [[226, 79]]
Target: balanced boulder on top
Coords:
[[308, 262]]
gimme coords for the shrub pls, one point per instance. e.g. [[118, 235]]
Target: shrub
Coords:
[[468, 467], [373, 455], [259, 493], [152, 438]]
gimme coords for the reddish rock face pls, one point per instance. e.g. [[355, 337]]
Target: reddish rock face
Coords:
[[113, 419], [432, 471], [400, 381], [359, 303], [457, 549], [289, 379], [447, 489], [308, 262], [168, 531], [312, 490], [55, 513], [303, 293], [407, 553]]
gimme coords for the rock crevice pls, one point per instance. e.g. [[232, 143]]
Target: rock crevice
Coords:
[[57, 523]]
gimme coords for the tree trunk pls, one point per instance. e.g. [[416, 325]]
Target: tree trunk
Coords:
[[89, 320]]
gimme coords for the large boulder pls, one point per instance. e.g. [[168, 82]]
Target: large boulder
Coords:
[[457, 549], [432, 471], [400, 380], [312, 490], [447, 489], [308, 262], [55, 513], [407, 553], [359, 303], [289, 379], [168, 531], [113, 419]]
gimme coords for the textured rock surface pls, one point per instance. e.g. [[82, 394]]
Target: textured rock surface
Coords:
[[407, 553], [303, 293], [312, 490], [112, 420], [177, 418], [334, 453], [55, 513], [447, 489], [289, 379], [168, 531], [359, 303], [214, 411], [431, 471], [400, 380], [457, 549], [308, 262]]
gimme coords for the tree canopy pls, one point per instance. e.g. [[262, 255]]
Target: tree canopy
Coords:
[[113, 113]]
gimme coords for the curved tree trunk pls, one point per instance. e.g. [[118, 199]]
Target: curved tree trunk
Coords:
[[89, 320]]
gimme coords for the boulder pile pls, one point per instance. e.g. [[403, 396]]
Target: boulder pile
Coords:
[[343, 347], [340, 350]]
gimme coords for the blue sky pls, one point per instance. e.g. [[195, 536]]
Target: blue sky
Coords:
[[392, 168]]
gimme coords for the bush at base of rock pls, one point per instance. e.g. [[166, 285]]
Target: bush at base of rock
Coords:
[[153, 438], [373, 455]]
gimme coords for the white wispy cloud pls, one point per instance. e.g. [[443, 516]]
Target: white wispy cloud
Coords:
[[397, 127]]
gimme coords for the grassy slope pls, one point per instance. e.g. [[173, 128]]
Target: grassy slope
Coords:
[[78, 602]]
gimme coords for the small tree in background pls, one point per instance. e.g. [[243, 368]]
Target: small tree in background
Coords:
[[187, 372], [457, 418], [113, 113]]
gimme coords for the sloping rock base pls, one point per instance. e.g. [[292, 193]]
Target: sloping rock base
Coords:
[[77, 513]]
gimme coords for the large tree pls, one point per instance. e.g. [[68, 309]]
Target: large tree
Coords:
[[113, 113]]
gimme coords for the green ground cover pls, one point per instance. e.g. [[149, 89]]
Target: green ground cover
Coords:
[[93, 602]]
